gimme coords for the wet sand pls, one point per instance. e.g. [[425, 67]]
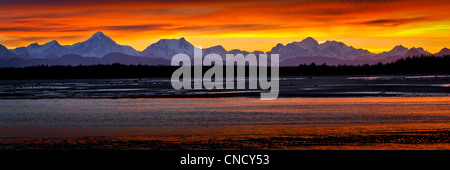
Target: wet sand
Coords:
[[306, 86], [320, 112], [291, 138], [356, 123]]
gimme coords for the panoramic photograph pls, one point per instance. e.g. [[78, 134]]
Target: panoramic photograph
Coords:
[[180, 77]]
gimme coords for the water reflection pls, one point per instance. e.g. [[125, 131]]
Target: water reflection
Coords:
[[286, 123]]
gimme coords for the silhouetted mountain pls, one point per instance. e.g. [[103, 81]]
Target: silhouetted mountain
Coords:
[[308, 60], [167, 48], [3, 49], [307, 43], [398, 51], [237, 51], [443, 52], [42, 51], [5, 53], [116, 57], [74, 60], [341, 51], [289, 51], [395, 54], [309, 47], [215, 49], [99, 45], [21, 52], [417, 52], [257, 53]]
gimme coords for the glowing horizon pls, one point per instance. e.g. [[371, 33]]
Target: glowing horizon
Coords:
[[247, 25]]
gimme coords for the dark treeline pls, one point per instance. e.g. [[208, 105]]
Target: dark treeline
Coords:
[[86, 72], [409, 65], [413, 65]]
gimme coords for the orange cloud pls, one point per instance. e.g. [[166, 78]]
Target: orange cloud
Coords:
[[250, 25]]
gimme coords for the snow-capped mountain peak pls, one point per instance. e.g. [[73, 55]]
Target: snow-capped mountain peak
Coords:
[[399, 48], [309, 47], [167, 48], [334, 44], [5, 53], [218, 49], [100, 37], [98, 34], [307, 43], [34, 45], [3, 48], [99, 45], [398, 51], [41, 51], [50, 44]]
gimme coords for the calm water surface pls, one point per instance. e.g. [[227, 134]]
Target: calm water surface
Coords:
[[194, 114], [203, 119]]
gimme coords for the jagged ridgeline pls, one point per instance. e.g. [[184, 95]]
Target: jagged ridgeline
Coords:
[[101, 49]]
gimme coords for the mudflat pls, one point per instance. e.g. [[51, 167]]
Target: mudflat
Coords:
[[297, 123]]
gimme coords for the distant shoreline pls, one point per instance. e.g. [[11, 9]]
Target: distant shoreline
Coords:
[[414, 65], [290, 86]]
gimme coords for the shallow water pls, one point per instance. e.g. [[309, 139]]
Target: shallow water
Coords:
[[303, 86], [234, 119]]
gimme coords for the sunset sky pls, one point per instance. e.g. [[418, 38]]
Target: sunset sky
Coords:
[[249, 25]]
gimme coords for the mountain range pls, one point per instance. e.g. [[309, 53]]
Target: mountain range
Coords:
[[101, 49]]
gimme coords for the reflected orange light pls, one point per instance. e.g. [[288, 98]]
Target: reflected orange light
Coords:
[[247, 25]]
